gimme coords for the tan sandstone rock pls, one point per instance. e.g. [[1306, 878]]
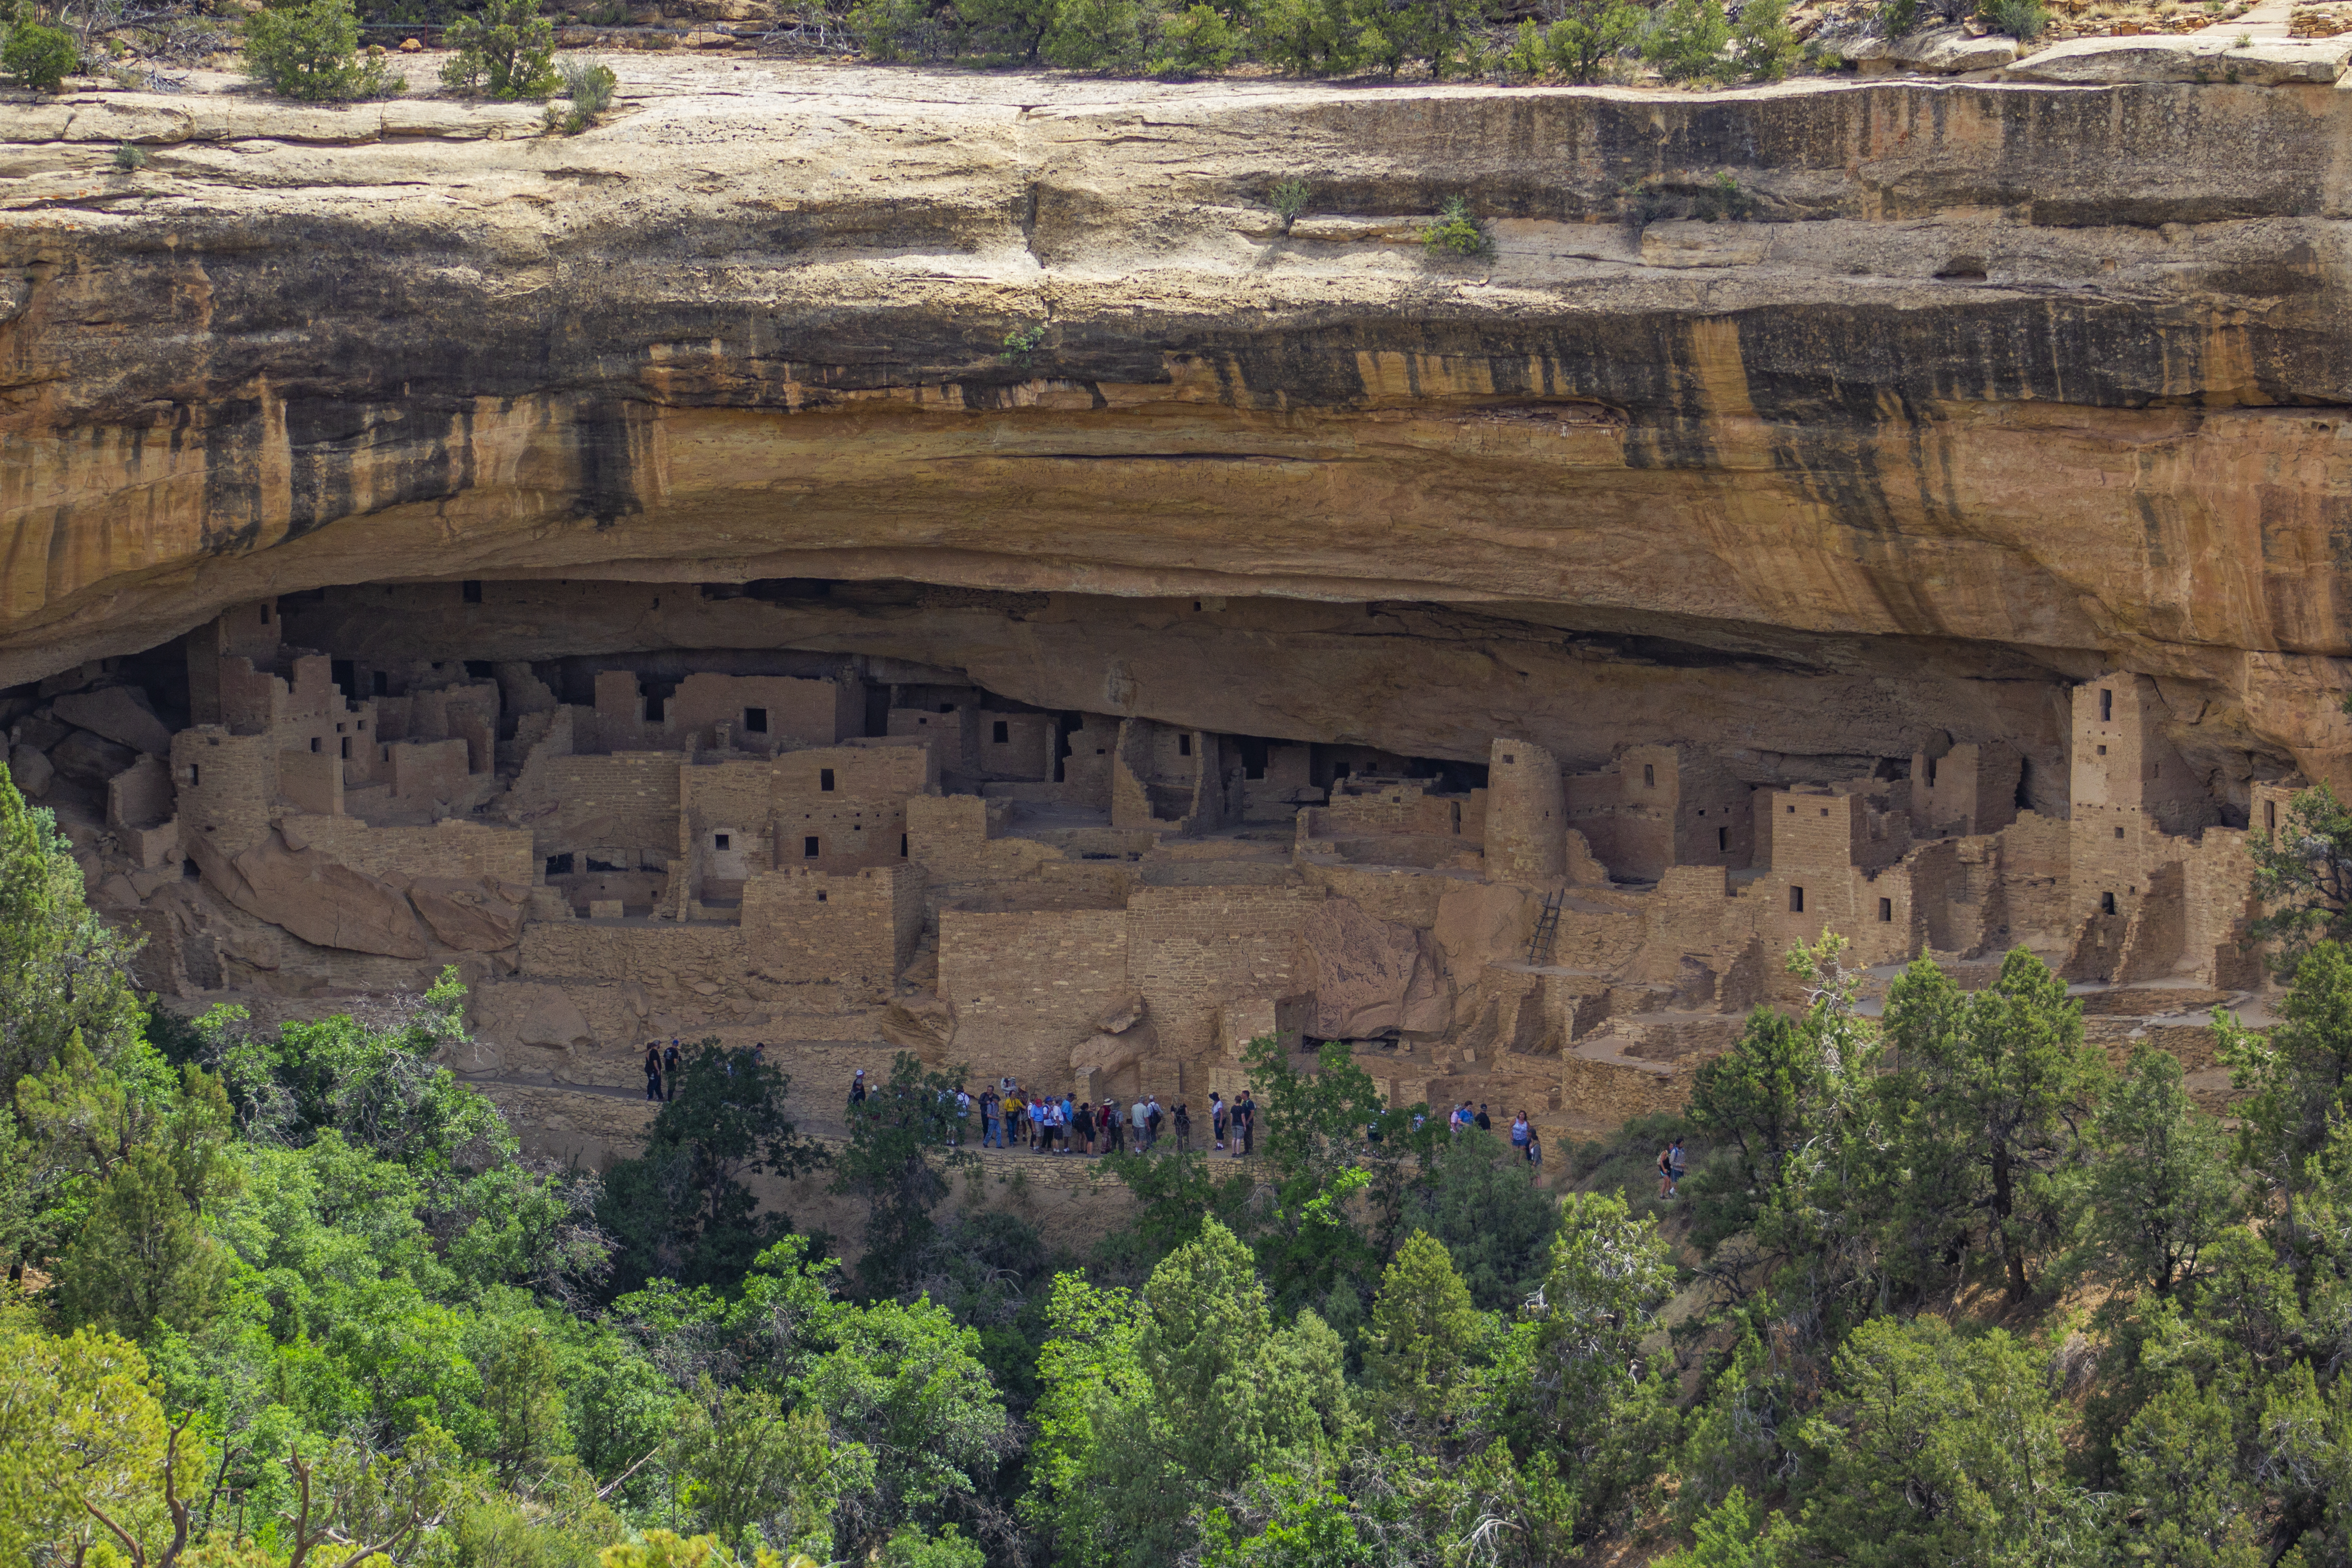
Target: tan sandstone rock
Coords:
[[119, 714]]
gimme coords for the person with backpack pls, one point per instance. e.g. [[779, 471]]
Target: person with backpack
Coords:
[[669, 1072], [1667, 1172], [991, 1120], [1152, 1122], [1113, 1142], [1675, 1168], [652, 1072], [1183, 1128], [1245, 1124]]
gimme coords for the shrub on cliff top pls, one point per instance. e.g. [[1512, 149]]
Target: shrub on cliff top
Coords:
[[38, 57], [507, 52], [312, 52]]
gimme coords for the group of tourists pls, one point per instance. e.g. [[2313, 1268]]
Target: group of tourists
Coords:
[[1064, 1124], [1524, 1137]]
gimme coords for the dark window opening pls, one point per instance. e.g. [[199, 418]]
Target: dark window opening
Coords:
[[1793, 811], [346, 674], [902, 845], [755, 721], [2106, 706], [195, 772], [1723, 840], [1510, 760], [2103, 751], [471, 590], [719, 840], [2119, 832], [1886, 912], [808, 848], [656, 708], [264, 615], [1796, 900], [597, 865], [1649, 776], [2270, 816], [477, 669], [558, 865], [820, 895], [387, 755], [1183, 746], [347, 748], [314, 743], [1825, 810], [824, 779], [947, 707], [378, 683], [1253, 751], [1931, 773], [2106, 903], [188, 870], [1003, 733]]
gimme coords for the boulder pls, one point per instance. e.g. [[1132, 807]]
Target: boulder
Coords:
[[319, 899], [529, 1014], [1948, 51], [1362, 971], [473, 914], [31, 770], [1122, 1015], [91, 759], [2186, 57], [119, 714]]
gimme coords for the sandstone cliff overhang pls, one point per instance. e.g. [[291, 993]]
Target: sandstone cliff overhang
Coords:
[[1996, 384]]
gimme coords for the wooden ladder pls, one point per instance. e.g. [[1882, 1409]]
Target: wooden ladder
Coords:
[[1546, 927]]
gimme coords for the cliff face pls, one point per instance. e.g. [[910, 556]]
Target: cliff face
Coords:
[[1976, 389]]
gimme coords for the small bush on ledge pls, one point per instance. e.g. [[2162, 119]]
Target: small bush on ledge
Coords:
[[38, 57], [1455, 232]]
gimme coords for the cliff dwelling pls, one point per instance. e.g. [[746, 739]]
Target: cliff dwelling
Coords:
[[979, 583], [617, 835]]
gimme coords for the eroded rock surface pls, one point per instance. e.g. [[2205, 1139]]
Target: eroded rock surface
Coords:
[[1993, 386]]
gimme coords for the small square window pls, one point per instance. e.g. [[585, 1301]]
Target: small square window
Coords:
[[1793, 811], [1183, 746], [809, 848], [1825, 810], [719, 840], [820, 895], [755, 721], [2103, 751], [1510, 760], [1002, 732], [824, 779], [360, 727], [2119, 832]]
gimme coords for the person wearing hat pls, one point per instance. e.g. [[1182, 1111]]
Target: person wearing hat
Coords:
[[858, 1089]]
